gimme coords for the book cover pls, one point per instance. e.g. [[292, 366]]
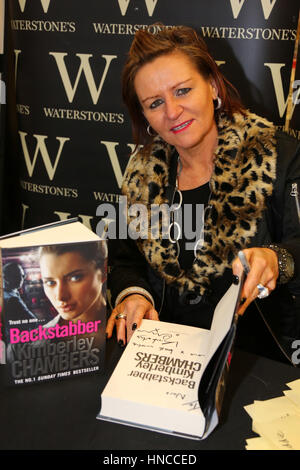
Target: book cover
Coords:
[[170, 378], [53, 310]]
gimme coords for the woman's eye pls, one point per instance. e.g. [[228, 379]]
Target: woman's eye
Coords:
[[155, 104], [49, 283], [76, 277], [183, 91]]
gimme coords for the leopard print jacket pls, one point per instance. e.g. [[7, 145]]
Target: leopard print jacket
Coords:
[[242, 180]]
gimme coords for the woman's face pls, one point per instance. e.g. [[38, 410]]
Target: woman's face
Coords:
[[177, 101], [72, 284]]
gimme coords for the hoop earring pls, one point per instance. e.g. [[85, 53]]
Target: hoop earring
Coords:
[[149, 131], [219, 103]]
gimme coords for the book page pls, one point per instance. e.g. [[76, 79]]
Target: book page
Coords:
[[167, 358], [283, 432], [294, 396], [268, 410], [295, 385], [259, 443]]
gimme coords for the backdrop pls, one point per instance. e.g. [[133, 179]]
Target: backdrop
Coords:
[[68, 136]]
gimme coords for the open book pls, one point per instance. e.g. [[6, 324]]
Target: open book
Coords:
[[53, 303], [171, 378]]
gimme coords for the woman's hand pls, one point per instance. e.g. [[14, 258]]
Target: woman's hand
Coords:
[[263, 270], [135, 307]]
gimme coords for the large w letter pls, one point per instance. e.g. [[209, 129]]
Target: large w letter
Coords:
[[278, 87], [267, 6], [150, 4], [86, 69], [111, 150], [41, 147], [45, 5]]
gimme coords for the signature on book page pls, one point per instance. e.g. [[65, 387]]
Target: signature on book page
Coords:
[[167, 341]]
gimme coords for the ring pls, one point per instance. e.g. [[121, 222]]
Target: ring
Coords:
[[120, 315], [263, 291]]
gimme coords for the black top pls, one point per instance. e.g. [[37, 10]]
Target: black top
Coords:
[[182, 309], [194, 202]]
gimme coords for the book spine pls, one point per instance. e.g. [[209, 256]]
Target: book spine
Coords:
[[225, 370]]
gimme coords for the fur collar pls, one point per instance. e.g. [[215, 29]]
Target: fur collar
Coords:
[[242, 180]]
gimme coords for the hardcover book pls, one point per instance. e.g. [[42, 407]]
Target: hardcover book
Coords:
[[171, 378], [53, 303]]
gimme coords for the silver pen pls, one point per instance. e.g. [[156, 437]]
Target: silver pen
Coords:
[[263, 291], [295, 194], [244, 262]]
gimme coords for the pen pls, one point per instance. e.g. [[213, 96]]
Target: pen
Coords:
[[244, 261]]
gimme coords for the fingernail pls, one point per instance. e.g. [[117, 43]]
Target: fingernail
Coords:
[[134, 326], [121, 343], [235, 279]]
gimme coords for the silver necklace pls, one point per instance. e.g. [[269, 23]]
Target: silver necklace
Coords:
[[175, 213]]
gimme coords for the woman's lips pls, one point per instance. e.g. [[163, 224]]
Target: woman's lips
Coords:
[[66, 308], [181, 127]]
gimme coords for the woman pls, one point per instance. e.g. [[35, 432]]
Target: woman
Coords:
[[74, 280], [200, 146]]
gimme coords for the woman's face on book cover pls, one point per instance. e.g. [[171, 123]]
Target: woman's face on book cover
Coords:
[[72, 284]]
